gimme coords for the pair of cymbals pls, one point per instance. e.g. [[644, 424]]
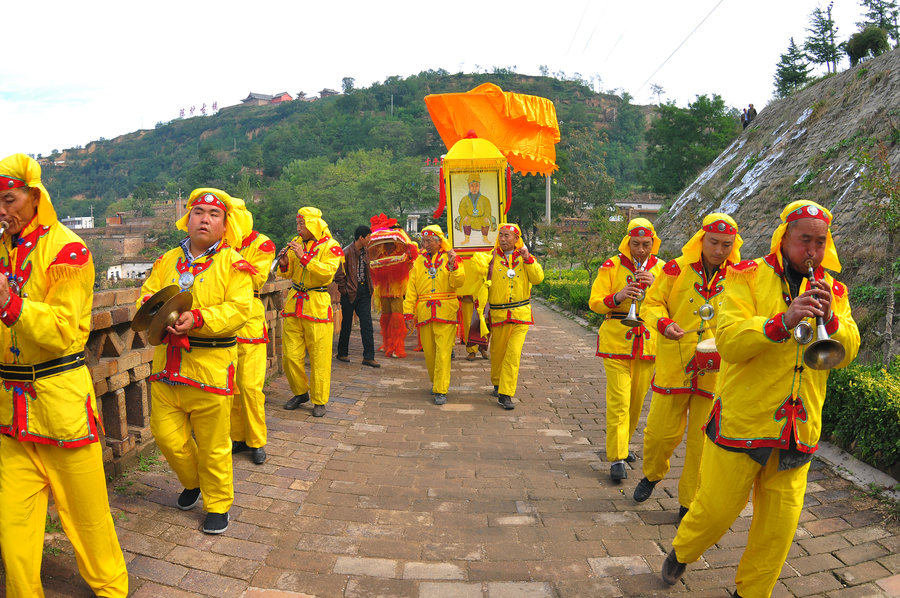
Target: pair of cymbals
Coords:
[[161, 311]]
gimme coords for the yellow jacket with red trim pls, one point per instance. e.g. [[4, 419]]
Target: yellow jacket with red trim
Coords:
[[676, 296], [223, 298], [311, 276], [433, 299], [765, 393], [614, 340], [506, 292], [48, 319], [259, 251]]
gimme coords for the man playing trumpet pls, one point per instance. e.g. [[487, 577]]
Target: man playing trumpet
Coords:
[[767, 415], [628, 352], [682, 304]]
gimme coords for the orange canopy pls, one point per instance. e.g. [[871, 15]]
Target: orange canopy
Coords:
[[523, 127]]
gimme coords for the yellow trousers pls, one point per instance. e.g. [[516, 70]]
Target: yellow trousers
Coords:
[[180, 414], [248, 411], [666, 422], [299, 337], [28, 473], [726, 479], [467, 308], [507, 341], [437, 344], [627, 383]]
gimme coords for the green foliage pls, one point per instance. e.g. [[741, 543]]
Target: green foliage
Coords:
[[882, 14], [862, 413], [870, 42], [681, 142], [52, 526], [820, 45], [791, 72]]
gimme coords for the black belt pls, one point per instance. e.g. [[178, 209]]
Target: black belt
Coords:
[[303, 289], [222, 342], [15, 372], [256, 294], [522, 303]]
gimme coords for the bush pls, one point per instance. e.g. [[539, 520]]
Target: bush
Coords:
[[862, 413]]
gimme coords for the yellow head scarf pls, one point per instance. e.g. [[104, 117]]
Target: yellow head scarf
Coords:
[[215, 197], [19, 168], [511, 227], [714, 223], [313, 219], [806, 209], [242, 216], [435, 230], [639, 227]]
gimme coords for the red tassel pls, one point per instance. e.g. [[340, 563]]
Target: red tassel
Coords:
[[508, 189], [442, 201]]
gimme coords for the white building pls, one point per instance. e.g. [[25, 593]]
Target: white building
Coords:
[[78, 221], [134, 270]]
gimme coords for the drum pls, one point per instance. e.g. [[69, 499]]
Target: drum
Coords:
[[706, 357]]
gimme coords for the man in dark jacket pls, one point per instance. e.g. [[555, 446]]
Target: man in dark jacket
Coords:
[[355, 286]]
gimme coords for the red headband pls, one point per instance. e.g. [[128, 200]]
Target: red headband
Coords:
[[426, 233], [210, 199], [510, 227], [720, 226], [640, 231], [8, 182], [808, 212]]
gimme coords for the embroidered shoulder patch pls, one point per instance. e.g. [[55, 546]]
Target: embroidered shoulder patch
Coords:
[[745, 265], [671, 268], [838, 289], [244, 266], [73, 254], [337, 251], [267, 247], [608, 264]]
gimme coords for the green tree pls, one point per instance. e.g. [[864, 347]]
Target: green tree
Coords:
[[682, 141], [586, 182], [820, 45], [884, 15], [870, 42], [792, 71]]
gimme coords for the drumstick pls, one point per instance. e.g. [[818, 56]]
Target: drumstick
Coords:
[[713, 327]]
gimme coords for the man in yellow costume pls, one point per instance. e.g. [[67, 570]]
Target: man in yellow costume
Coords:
[[474, 210], [193, 373], [49, 416], [248, 413], [431, 305], [310, 265], [767, 416], [512, 271], [628, 352], [690, 287]]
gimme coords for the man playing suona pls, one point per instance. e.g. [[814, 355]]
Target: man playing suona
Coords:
[[310, 265], [512, 271], [431, 305], [49, 415], [248, 414], [690, 286], [627, 352], [193, 373], [767, 416]]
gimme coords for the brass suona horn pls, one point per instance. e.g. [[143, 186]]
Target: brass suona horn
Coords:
[[824, 353], [633, 319], [278, 257], [4, 225]]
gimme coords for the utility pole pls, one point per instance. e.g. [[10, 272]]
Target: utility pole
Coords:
[[547, 200]]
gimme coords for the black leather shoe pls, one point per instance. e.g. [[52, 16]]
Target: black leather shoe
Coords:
[[682, 511], [215, 523], [644, 489], [188, 499], [631, 458], [318, 410], [617, 472], [505, 401], [238, 446], [344, 358], [296, 401], [672, 570], [258, 455]]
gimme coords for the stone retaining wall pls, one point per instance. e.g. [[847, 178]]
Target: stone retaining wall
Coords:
[[119, 360]]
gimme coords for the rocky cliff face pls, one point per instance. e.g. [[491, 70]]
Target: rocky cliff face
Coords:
[[801, 148]]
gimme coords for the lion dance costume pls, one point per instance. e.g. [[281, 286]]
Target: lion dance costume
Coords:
[[391, 256]]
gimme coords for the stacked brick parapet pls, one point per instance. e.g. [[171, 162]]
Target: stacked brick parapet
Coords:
[[119, 360]]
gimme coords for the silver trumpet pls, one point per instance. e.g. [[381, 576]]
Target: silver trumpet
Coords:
[[633, 318], [824, 353]]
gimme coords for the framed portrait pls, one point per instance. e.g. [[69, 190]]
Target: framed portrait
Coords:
[[474, 209]]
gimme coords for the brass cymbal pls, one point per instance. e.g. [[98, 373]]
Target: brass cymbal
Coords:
[[151, 306], [167, 315]]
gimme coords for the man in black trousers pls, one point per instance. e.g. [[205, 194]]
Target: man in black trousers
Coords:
[[355, 286]]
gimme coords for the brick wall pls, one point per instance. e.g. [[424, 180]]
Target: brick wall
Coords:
[[119, 360]]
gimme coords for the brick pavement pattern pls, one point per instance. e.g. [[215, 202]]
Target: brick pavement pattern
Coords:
[[391, 495]]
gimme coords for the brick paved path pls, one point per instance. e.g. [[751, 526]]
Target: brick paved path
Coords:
[[390, 495]]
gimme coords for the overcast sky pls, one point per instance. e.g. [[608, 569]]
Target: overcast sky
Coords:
[[77, 71]]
